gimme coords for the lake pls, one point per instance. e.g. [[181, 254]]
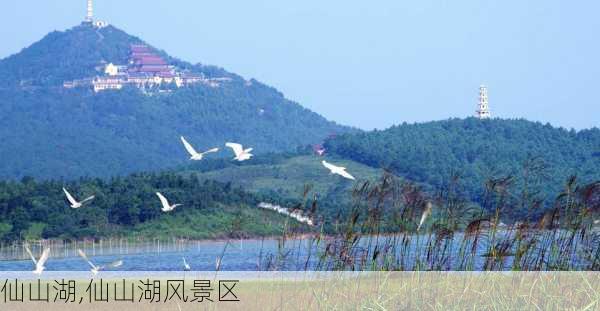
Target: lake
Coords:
[[296, 254]]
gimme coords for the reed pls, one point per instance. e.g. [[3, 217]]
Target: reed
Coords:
[[394, 225]]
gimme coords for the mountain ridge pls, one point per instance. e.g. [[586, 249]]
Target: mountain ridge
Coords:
[[477, 151], [52, 132]]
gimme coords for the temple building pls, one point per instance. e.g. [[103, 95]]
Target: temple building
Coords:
[[145, 70]]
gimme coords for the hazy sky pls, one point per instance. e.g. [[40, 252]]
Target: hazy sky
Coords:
[[370, 64]]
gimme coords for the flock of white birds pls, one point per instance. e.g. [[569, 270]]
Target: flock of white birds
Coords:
[[240, 153]]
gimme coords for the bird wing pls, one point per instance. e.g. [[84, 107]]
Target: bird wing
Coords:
[[116, 264], [30, 254], [345, 174], [211, 150], [248, 150], [328, 165], [237, 148], [188, 147], [84, 256], [88, 199], [43, 258], [163, 201], [70, 197]]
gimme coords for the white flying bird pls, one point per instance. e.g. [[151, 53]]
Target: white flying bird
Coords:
[[337, 170], [74, 203], [39, 264], [166, 207], [186, 266], [195, 155], [241, 154], [95, 269]]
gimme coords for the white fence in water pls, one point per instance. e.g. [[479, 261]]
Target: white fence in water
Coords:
[[115, 246]]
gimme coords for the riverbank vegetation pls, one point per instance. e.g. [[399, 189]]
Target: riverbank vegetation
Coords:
[[445, 231], [389, 223], [128, 206]]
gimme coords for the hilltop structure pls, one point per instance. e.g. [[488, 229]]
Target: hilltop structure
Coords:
[[483, 111], [90, 11], [146, 70], [89, 17]]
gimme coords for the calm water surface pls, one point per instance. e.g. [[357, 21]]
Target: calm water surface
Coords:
[[237, 255]]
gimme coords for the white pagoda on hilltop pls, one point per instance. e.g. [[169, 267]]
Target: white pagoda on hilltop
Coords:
[[483, 111], [89, 17]]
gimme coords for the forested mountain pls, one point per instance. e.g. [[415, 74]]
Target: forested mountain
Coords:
[[479, 150], [51, 132], [128, 206]]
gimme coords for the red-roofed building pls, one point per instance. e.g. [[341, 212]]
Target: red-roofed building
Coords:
[[146, 69], [144, 60], [139, 48], [149, 60]]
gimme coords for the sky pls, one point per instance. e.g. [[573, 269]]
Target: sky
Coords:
[[369, 64]]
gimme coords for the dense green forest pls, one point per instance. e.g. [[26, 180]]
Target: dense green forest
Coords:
[[476, 151], [128, 206], [51, 132], [220, 199]]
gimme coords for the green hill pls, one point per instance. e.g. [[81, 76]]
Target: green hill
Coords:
[[51, 132], [539, 155], [219, 198], [288, 177], [293, 180], [129, 207]]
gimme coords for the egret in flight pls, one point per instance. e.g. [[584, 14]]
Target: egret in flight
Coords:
[[186, 266], [73, 202], [241, 154], [195, 155], [39, 264], [166, 207], [337, 170], [95, 269]]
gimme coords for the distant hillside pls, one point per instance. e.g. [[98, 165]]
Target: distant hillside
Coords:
[[288, 176], [478, 150], [128, 207], [51, 132]]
